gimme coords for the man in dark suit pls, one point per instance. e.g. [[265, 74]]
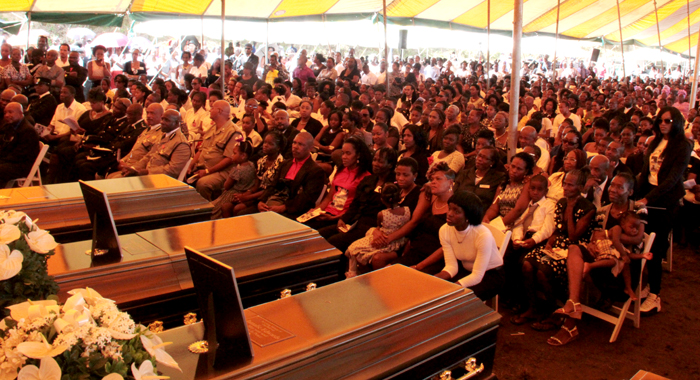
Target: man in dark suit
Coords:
[[300, 177], [19, 144], [42, 108], [596, 188], [76, 75], [613, 152]]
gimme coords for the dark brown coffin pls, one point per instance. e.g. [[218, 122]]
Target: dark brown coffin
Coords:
[[392, 323], [268, 252], [138, 203]]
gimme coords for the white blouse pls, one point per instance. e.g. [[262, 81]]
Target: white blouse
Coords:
[[474, 247]]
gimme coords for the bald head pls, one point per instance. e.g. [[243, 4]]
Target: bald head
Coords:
[[14, 112], [599, 167], [154, 113], [21, 99], [528, 136], [220, 112], [281, 119], [170, 120], [6, 97]]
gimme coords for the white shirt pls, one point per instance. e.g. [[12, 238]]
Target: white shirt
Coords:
[[598, 193], [398, 121], [560, 118], [60, 63], [293, 101], [381, 78], [369, 79], [474, 248], [75, 110], [454, 160], [542, 221], [197, 122], [200, 72], [254, 136]]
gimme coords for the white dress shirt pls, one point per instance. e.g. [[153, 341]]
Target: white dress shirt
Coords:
[[75, 110], [542, 221]]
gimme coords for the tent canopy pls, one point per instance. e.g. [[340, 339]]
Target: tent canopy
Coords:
[[579, 19]]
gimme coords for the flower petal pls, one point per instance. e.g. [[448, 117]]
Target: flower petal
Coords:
[[21, 310], [113, 376], [10, 266], [49, 369], [9, 233], [30, 372]]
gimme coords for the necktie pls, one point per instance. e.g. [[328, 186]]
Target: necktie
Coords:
[[529, 216]]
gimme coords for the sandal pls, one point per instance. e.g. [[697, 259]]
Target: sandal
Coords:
[[563, 336], [575, 313]]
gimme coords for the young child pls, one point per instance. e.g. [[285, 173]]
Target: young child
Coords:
[[612, 253], [390, 220], [241, 179], [248, 126]]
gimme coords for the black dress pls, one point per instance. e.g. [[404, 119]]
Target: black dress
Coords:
[[425, 239]]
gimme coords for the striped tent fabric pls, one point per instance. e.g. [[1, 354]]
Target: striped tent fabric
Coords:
[[578, 19]]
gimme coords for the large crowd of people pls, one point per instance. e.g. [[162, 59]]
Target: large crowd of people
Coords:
[[403, 172]]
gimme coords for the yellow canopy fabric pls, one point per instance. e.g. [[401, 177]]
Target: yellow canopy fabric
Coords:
[[578, 19]]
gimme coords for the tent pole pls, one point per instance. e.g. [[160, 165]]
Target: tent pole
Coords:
[[622, 46], [694, 90], [658, 33], [556, 42], [687, 4], [267, 42], [222, 67], [201, 44], [386, 53], [29, 28], [515, 79], [488, 44]]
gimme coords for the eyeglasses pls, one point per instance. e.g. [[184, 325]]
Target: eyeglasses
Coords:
[[667, 121], [568, 142]]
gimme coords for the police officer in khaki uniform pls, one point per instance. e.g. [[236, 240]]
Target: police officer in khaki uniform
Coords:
[[169, 156], [212, 163], [145, 141]]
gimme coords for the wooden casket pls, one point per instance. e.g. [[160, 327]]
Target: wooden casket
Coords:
[[138, 203], [269, 253], [394, 323]]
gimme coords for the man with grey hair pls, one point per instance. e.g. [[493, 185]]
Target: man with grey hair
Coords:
[[5, 98], [596, 188], [298, 183], [212, 163], [19, 144], [451, 116], [528, 137], [282, 124]]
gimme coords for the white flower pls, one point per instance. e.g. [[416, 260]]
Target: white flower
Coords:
[[76, 302], [154, 346], [12, 217], [9, 233], [72, 320], [32, 309], [49, 371], [40, 350], [113, 376], [146, 372], [40, 241], [90, 295], [10, 263]]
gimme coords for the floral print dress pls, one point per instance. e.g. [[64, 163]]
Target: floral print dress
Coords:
[[562, 241]]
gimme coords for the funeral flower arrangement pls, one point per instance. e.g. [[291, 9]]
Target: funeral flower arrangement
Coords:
[[24, 251], [85, 338]]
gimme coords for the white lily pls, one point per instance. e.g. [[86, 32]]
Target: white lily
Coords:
[[9, 233], [49, 370], [32, 309], [75, 302], [12, 217], [72, 320], [40, 350], [40, 241], [146, 372], [154, 346], [10, 262], [90, 295]]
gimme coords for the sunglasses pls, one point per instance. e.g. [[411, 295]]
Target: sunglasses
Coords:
[[667, 121], [568, 142]]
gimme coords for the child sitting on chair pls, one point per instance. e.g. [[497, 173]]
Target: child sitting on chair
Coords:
[[612, 253], [390, 220]]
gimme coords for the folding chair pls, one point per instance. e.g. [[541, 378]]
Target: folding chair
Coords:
[[322, 195], [34, 174], [667, 263], [502, 240], [183, 172], [623, 311]]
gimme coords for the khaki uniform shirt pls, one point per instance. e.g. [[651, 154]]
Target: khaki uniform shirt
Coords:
[[143, 145], [168, 156], [217, 144]]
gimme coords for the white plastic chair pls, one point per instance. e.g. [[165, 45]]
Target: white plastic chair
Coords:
[[502, 240], [183, 172], [34, 175], [322, 195], [623, 311]]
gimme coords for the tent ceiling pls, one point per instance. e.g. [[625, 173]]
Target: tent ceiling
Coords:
[[579, 19]]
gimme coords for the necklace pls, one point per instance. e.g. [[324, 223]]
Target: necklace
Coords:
[[441, 207], [501, 135], [464, 236]]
